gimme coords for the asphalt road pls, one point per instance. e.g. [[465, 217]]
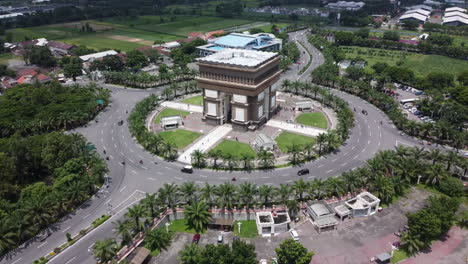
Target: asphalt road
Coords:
[[129, 182]]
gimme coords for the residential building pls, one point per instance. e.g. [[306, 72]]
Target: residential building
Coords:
[[345, 5], [432, 3], [322, 216], [269, 223], [60, 48], [260, 42], [238, 87], [8, 82]]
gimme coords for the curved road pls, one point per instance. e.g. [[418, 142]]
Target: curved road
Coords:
[[129, 183]]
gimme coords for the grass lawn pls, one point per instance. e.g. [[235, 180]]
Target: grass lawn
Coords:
[[196, 100], [237, 149], [248, 229], [179, 226], [398, 255], [316, 119], [102, 41], [170, 112], [421, 64], [5, 57], [287, 139], [179, 137]]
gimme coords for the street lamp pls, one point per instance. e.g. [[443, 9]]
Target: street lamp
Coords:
[[239, 225], [419, 177], [167, 227]]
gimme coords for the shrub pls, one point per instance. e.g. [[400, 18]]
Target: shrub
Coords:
[[452, 187]]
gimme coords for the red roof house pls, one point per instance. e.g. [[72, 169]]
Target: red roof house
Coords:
[[195, 35]]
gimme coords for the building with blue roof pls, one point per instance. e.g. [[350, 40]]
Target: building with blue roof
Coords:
[[259, 42]]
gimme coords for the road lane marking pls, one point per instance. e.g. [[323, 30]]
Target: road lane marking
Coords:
[[266, 177], [112, 131], [65, 230], [108, 201], [344, 164], [121, 153], [167, 168], [358, 140], [86, 216], [380, 134], [112, 138], [125, 187], [334, 160], [131, 160], [353, 147], [363, 150], [17, 261], [289, 181], [379, 143], [285, 175], [223, 178], [310, 177], [115, 145], [368, 142], [370, 134], [177, 178], [328, 171], [344, 154], [151, 179], [203, 176], [244, 178], [102, 140], [158, 172], [144, 167], [68, 262], [199, 182], [102, 132], [355, 157], [134, 172], [131, 150]]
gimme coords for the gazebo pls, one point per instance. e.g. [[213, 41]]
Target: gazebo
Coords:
[[265, 142]]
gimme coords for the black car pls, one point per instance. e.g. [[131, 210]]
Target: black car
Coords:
[[187, 169], [303, 172]]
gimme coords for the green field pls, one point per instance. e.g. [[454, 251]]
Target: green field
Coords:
[[237, 149], [398, 255], [316, 119], [170, 112], [179, 137], [421, 64], [101, 42], [248, 229], [287, 139], [196, 100], [180, 226], [5, 57]]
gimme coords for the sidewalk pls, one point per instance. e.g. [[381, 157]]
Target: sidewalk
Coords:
[[206, 142], [292, 127], [181, 106]]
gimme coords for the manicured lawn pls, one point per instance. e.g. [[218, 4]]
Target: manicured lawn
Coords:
[[287, 139], [196, 100], [179, 137], [102, 41], [248, 229], [316, 119], [421, 64], [237, 149], [179, 226], [170, 112], [398, 255]]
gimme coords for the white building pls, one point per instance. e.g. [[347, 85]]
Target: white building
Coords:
[[416, 7], [322, 216], [94, 56], [418, 15], [364, 204], [344, 5], [269, 223], [455, 16]]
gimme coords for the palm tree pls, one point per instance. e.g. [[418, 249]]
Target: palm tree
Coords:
[[231, 160], [246, 193], [197, 216], [316, 189], [266, 159], [190, 254], [8, 235], [334, 186], [169, 151], [350, 181], [435, 174], [435, 155], [286, 84], [122, 229], [265, 192], [188, 191], [215, 154], [207, 193], [315, 90], [332, 140], [152, 205], [296, 86], [382, 187], [417, 153], [158, 239], [105, 250], [411, 243], [247, 161], [293, 208], [295, 153], [451, 157], [168, 194], [321, 139], [225, 193], [37, 212], [199, 157], [283, 191], [299, 188], [136, 212]]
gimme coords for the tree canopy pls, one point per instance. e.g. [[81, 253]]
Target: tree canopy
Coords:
[[292, 252]]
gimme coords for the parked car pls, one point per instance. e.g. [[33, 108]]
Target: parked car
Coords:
[[196, 238], [417, 113], [294, 234], [263, 261], [187, 169], [41, 237], [220, 239], [303, 172]]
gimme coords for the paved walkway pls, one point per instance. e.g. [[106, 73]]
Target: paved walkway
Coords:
[[296, 128], [181, 106], [206, 142]]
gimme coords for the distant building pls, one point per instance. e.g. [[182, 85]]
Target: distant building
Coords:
[[10, 17], [171, 45], [94, 56], [455, 16], [432, 3], [260, 42], [344, 5], [263, 141], [322, 216], [423, 7], [418, 15], [269, 223], [364, 204], [171, 122], [8, 82], [60, 48], [238, 87]]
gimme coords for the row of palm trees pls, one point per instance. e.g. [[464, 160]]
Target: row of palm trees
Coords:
[[146, 80], [389, 174]]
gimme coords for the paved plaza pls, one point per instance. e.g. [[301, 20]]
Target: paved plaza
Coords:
[[183, 106]]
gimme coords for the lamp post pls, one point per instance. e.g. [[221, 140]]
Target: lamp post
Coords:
[[167, 227], [239, 225], [419, 177]]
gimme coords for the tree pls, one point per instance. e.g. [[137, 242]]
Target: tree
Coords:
[[136, 212], [292, 252], [190, 254], [105, 250], [136, 60], [158, 239], [188, 190], [300, 187], [122, 229], [229, 9], [295, 153], [39, 55], [247, 161], [265, 158], [411, 243], [425, 225], [110, 63], [452, 187], [197, 216], [354, 73], [151, 204], [7, 235], [362, 33], [199, 158], [244, 253], [73, 69], [391, 35], [410, 24], [265, 193]]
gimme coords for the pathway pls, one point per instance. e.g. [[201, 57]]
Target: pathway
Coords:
[[296, 128], [206, 142], [184, 107]]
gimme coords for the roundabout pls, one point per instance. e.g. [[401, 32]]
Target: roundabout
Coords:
[[129, 180]]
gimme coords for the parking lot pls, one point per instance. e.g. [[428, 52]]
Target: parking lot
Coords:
[[405, 93]]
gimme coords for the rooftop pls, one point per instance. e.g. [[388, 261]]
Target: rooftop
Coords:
[[320, 209], [419, 11], [415, 16], [236, 57], [455, 8], [455, 19], [98, 55]]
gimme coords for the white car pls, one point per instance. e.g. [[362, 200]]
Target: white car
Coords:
[[294, 234], [263, 261]]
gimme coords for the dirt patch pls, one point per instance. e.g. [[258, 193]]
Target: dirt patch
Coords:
[[78, 25], [129, 39]]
